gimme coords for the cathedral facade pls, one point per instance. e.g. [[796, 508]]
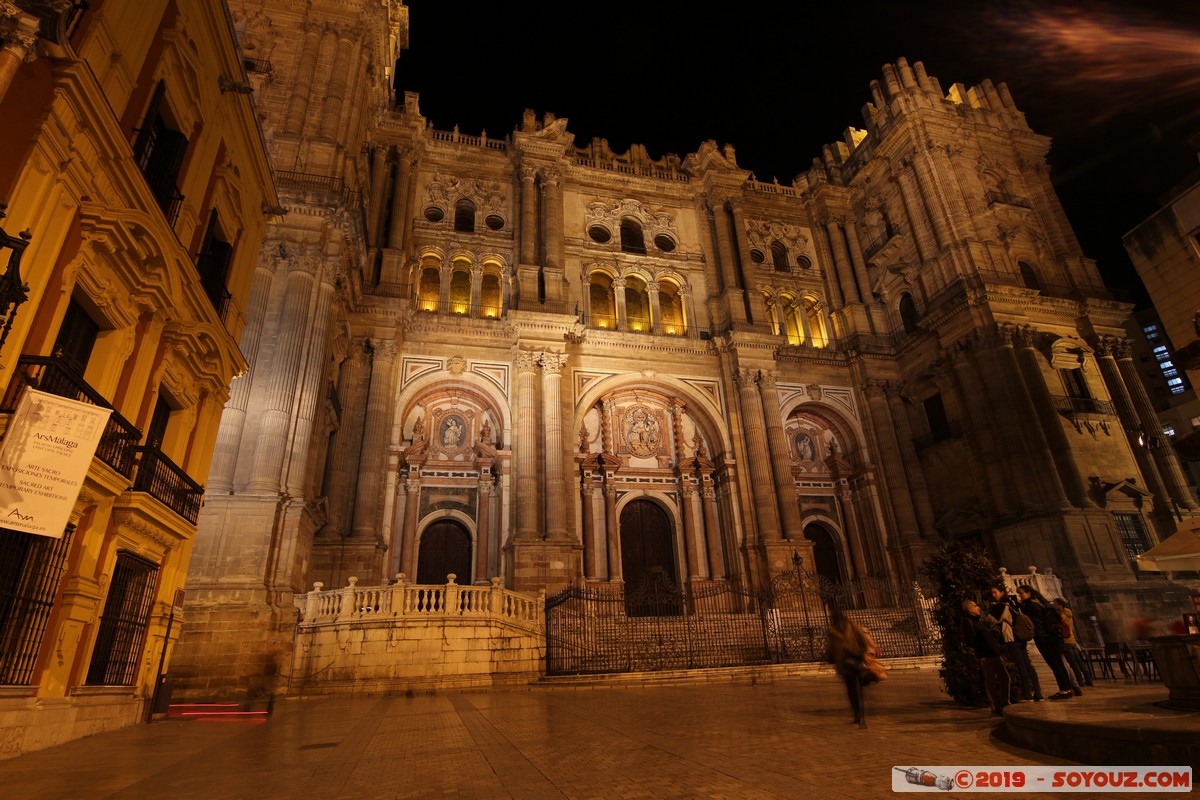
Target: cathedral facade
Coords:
[[553, 363]]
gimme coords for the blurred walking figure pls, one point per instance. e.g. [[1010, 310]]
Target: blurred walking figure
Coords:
[[1071, 649], [852, 653], [1047, 623], [983, 636], [1004, 610]]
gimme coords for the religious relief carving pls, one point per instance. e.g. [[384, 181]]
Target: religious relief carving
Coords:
[[451, 433], [456, 365], [641, 431]]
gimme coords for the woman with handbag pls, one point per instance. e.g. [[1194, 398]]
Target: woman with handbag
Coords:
[[1004, 610], [1047, 636], [852, 653]]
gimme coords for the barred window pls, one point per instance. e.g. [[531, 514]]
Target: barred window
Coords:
[[30, 569], [123, 623], [1133, 535]]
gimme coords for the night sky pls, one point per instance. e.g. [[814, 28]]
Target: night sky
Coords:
[[1117, 89]]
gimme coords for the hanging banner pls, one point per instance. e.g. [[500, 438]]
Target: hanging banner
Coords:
[[44, 458]]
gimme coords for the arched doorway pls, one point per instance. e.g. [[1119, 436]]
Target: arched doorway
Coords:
[[445, 548], [827, 560], [648, 560]]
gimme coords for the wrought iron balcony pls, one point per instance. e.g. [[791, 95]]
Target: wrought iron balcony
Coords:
[[159, 477], [458, 308], [58, 376], [1083, 405], [608, 322]]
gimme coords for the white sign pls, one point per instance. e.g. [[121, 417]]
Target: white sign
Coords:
[[44, 458]]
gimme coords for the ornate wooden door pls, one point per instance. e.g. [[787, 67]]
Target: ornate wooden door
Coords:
[[445, 548]]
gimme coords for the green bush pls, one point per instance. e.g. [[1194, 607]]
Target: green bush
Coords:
[[959, 571]]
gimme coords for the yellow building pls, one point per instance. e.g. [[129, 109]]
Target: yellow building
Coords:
[[132, 157]]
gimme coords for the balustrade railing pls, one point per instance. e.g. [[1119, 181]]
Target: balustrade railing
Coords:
[[55, 375], [418, 601], [608, 322], [459, 308], [629, 169]]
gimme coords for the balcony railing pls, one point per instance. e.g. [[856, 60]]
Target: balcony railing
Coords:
[[1083, 405], [55, 375], [159, 477], [608, 322], [1004, 198], [319, 189], [458, 308]]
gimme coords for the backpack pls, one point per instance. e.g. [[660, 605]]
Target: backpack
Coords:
[[1022, 627]]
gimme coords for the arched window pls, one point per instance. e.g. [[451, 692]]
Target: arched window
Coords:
[[632, 240], [908, 313], [464, 216], [491, 298], [670, 305], [818, 334], [430, 288], [1029, 277], [779, 255], [602, 309], [637, 305], [460, 288]]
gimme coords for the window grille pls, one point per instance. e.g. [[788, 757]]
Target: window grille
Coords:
[[1133, 535], [30, 569], [123, 624]]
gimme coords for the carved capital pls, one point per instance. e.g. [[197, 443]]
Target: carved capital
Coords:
[[745, 377], [873, 388], [766, 380], [526, 361], [553, 363]]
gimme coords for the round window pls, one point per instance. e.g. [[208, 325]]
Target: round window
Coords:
[[664, 243], [600, 234], [434, 214], [494, 221], [757, 257]]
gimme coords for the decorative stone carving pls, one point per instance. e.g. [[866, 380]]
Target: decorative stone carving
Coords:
[[608, 215], [641, 431]]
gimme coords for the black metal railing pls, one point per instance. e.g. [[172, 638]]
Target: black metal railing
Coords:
[[30, 570], [58, 376], [159, 477], [259, 65], [608, 322], [459, 308], [1083, 405], [325, 189], [656, 625]]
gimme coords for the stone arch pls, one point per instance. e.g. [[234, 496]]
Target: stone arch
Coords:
[[847, 430], [828, 547], [472, 387], [674, 517], [433, 521]]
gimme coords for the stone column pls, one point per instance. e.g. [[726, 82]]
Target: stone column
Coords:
[[346, 448], [655, 308], [275, 420], [233, 420], [379, 176], [687, 496], [841, 259], [922, 235], [1029, 362], [476, 290], [733, 294], [712, 530], [556, 480], [483, 529], [836, 293], [978, 427], [404, 164], [553, 224], [689, 309], [891, 461], [913, 471], [781, 462], [526, 446], [302, 86], [412, 515], [528, 217], [312, 388], [331, 116], [1164, 457], [19, 32], [618, 287], [755, 299], [856, 258], [762, 485], [587, 492], [612, 527], [1130, 423], [373, 457]]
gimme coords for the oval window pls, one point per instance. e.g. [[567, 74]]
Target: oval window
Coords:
[[494, 221], [757, 256], [600, 234], [664, 243], [434, 214]]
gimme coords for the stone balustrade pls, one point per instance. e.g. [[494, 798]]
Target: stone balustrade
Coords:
[[1045, 582]]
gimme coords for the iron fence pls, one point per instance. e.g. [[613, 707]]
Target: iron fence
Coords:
[[657, 626]]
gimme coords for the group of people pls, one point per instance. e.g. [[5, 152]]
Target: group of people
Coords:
[[1003, 634]]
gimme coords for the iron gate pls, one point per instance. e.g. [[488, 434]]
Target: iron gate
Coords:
[[658, 626]]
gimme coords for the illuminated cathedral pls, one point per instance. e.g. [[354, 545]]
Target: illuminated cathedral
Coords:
[[540, 360]]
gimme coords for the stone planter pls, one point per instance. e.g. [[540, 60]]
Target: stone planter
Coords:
[[1178, 659]]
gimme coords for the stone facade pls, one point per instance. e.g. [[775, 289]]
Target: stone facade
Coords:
[[530, 359], [132, 159]]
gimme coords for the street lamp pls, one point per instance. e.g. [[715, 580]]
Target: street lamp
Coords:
[[13, 290]]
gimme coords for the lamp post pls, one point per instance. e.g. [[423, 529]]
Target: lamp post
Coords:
[[13, 291]]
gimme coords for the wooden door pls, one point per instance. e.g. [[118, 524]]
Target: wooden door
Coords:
[[445, 548]]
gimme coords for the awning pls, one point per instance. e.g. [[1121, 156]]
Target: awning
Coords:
[[1178, 552]]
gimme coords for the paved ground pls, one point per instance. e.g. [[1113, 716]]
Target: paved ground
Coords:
[[790, 738]]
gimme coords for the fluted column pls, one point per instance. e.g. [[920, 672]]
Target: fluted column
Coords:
[[528, 217], [1123, 403], [781, 462], [1030, 365], [379, 176], [312, 389], [857, 260], [346, 448], [275, 420], [890, 460], [837, 294], [483, 529], [754, 298], [412, 504], [587, 492], [553, 212], [612, 527], [841, 259], [762, 485], [618, 287], [233, 420], [922, 234], [691, 536], [733, 294], [19, 32], [556, 481], [395, 238], [1164, 457], [331, 116], [655, 308], [476, 289], [527, 496], [973, 400], [302, 86], [712, 530], [913, 471], [373, 456]]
